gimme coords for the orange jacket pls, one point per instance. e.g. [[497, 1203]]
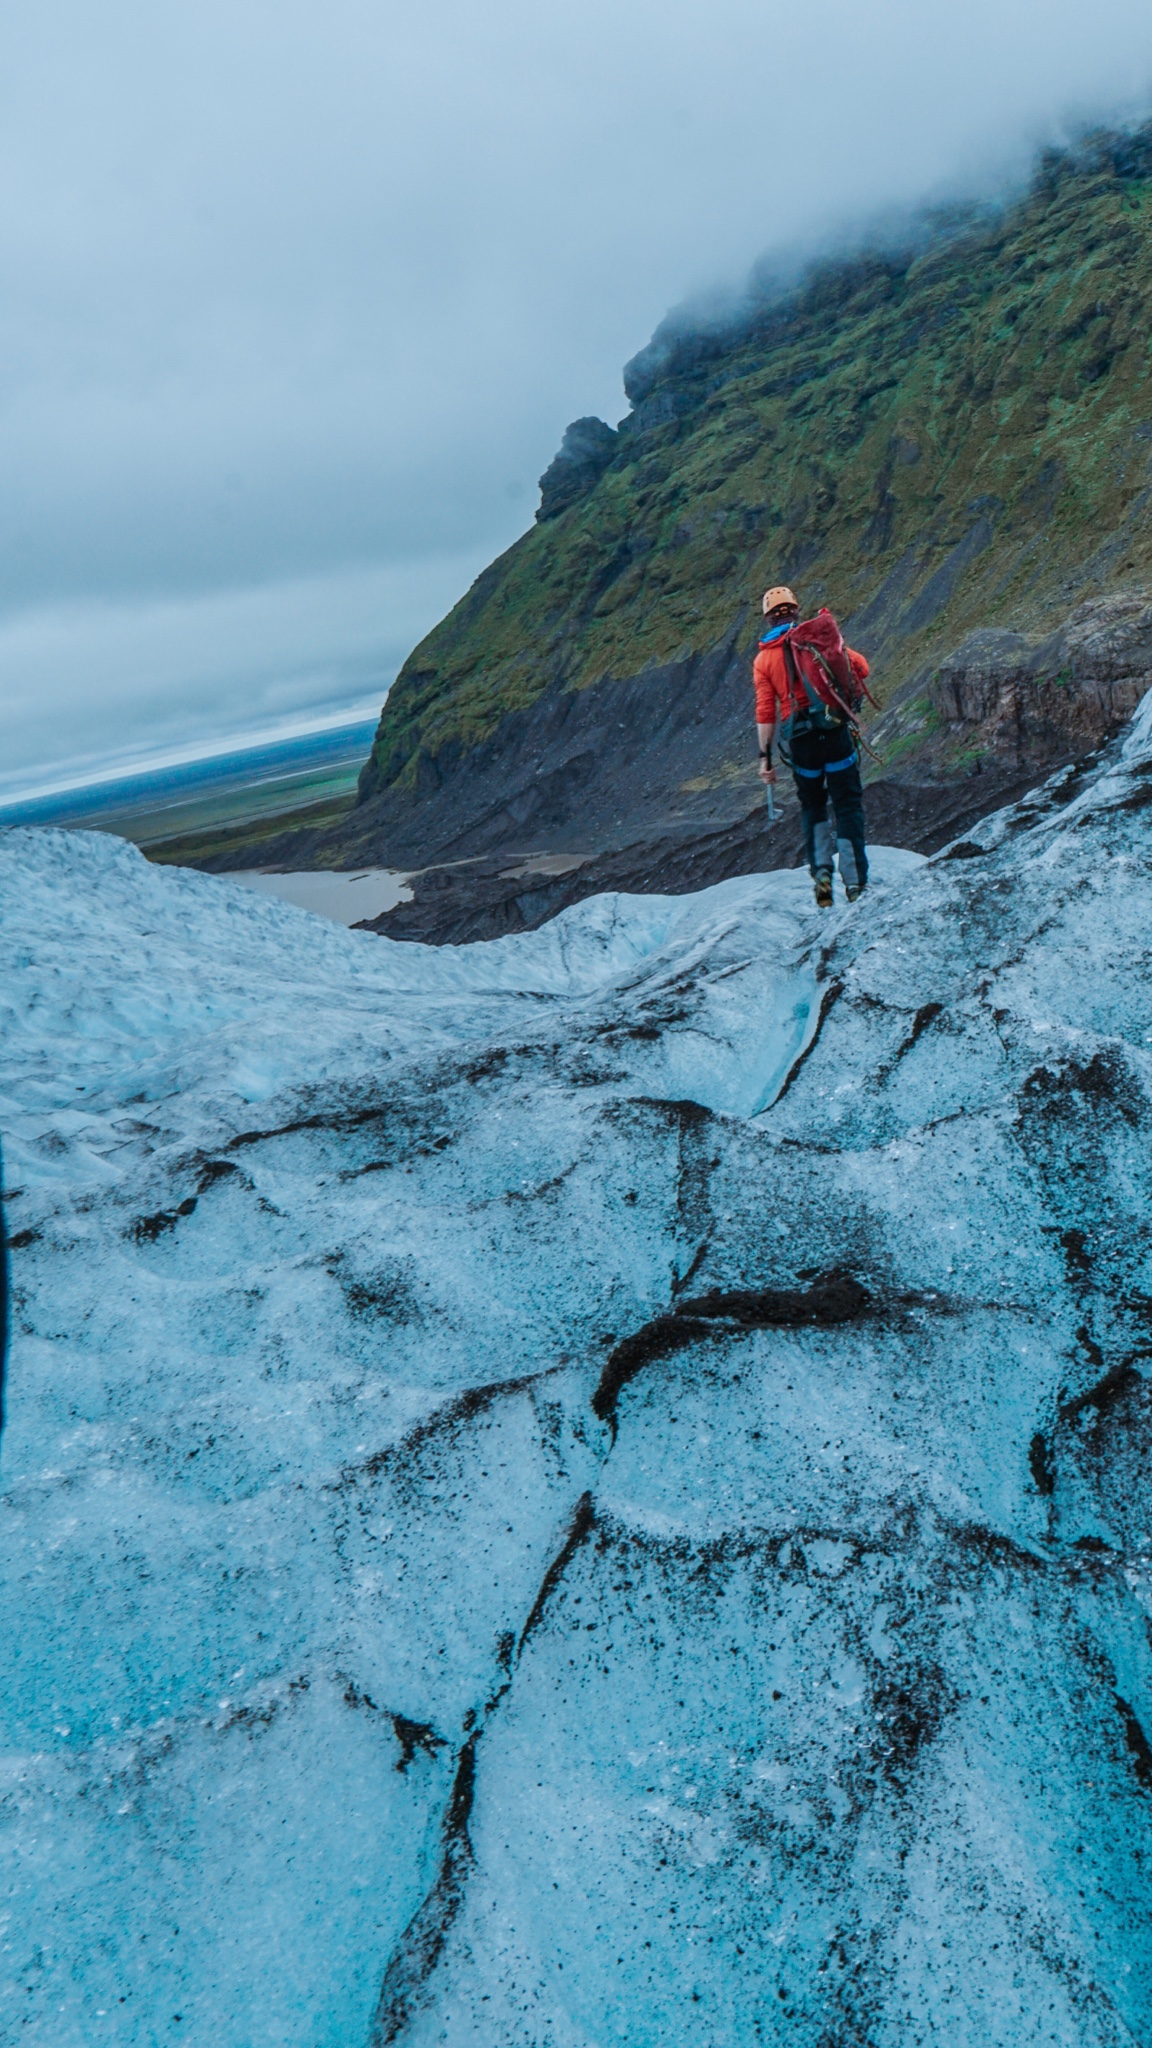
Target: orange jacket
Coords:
[[774, 699]]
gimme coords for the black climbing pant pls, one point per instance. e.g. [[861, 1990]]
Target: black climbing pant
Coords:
[[825, 764]]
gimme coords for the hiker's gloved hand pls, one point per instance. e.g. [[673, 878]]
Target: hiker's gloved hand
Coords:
[[767, 773]]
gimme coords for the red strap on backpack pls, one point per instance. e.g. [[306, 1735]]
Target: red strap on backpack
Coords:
[[825, 666]]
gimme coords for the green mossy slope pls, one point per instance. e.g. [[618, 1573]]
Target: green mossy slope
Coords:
[[926, 441]]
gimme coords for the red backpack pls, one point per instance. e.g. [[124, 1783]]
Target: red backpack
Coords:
[[822, 672]]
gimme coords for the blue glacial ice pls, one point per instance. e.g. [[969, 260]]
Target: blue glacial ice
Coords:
[[587, 1489]]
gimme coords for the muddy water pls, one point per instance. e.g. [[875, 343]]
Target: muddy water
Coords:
[[345, 898]]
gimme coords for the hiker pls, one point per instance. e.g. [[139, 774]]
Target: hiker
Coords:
[[820, 740]]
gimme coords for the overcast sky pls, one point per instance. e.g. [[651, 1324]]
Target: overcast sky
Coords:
[[299, 295]]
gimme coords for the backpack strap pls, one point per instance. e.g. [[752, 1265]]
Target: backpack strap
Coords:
[[798, 679], [820, 711]]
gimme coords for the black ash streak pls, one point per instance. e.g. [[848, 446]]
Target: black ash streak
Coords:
[[835, 1297], [1139, 1747], [147, 1229], [1120, 1380], [925, 1016], [917, 1701], [462, 1408], [583, 1523], [422, 1943], [831, 996]]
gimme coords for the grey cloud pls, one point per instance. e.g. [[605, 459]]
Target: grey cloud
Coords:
[[295, 292], [247, 659]]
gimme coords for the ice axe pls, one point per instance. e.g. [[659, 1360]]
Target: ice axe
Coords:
[[771, 805]]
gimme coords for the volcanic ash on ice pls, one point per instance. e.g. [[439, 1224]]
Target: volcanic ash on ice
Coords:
[[592, 1488]]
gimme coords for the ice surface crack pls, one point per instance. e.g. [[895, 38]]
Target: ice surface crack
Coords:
[[460, 1409], [925, 1016], [831, 995], [583, 1522], [422, 1942]]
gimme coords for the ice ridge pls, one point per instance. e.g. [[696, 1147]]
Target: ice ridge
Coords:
[[592, 1488]]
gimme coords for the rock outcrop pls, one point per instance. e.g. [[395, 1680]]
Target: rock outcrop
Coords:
[[585, 452], [1003, 701]]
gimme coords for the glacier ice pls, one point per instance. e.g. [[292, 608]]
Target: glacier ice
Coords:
[[590, 1488]]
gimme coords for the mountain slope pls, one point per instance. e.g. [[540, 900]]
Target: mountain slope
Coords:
[[953, 437], [591, 1489]]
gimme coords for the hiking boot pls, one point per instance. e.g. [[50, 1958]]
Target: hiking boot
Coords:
[[823, 890], [854, 889]]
